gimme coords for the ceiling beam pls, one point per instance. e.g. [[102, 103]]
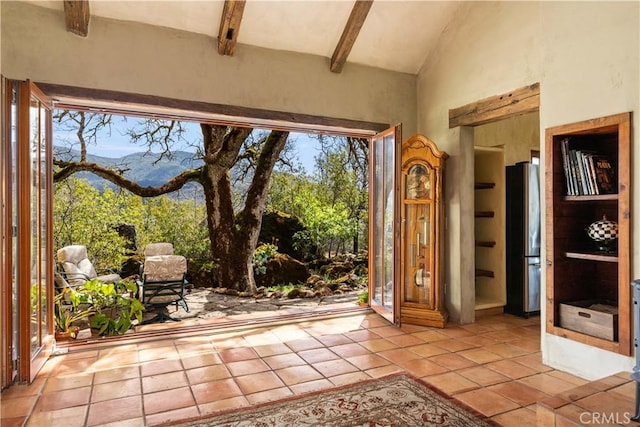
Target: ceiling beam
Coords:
[[350, 34], [230, 26], [76, 16]]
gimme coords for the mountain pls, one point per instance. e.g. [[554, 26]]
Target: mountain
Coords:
[[143, 168]]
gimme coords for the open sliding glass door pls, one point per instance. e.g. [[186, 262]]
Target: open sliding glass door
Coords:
[[383, 224], [34, 230]]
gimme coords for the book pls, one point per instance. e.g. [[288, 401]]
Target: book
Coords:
[[605, 175], [564, 148]]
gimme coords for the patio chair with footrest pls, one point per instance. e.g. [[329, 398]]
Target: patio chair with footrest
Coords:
[[77, 268], [162, 282]]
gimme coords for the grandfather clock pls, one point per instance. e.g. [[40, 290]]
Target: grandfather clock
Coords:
[[421, 291]]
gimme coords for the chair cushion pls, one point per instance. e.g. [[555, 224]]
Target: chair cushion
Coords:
[[109, 278], [155, 249], [75, 262], [162, 268]]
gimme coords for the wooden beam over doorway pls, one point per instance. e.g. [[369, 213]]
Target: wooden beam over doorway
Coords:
[[230, 26], [519, 101], [76, 16], [350, 34]]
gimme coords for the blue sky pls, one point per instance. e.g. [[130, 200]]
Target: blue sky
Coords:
[[117, 144]]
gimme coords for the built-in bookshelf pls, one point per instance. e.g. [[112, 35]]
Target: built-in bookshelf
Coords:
[[588, 167]]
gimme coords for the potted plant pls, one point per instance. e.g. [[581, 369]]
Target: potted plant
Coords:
[[363, 299], [68, 312], [115, 307]]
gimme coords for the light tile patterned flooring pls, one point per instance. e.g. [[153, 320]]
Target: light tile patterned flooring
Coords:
[[493, 365]]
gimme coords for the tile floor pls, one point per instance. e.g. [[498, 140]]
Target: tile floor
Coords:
[[493, 365]]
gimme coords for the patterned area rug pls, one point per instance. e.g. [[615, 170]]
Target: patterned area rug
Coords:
[[397, 400]]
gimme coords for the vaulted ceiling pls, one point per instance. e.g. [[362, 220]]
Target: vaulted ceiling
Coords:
[[390, 34]]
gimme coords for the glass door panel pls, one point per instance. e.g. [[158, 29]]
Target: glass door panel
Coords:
[[417, 255], [382, 219]]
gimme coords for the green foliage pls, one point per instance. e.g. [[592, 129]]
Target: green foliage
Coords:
[[65, 314], [115, 308], [83, 215], [261, 256], [363, 298]]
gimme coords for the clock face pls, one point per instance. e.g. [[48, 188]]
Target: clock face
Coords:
[[418, 182]]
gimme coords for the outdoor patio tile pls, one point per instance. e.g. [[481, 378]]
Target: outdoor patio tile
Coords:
[[309, 386], [114, 410], [511, 369], [383, 371], [215, 390], [304, 344], [116, 374], [378, 345], [349, 350], [431, 336], [451, 383], [75, 366], [14, 422], [68, 417], [362, 335], [480, 355], [486, 402], [17, 407], [298, 374], [453, 345], [387, 331], [156, 367], [174, 415], [269, 395], [334, 367], [368, 361], [349, 378], [236, 354], [116, 389], [259, 382], [456, 332], [157, 353], [68, 381], [334, 340], [245, 367], [21, 390], [398, 355], [421, 367], [533, 361], [207, 373], [427, 350], [318, 355], [452, 361], [547, 383], [271, 349], [520, 393], [284, 360], [162, 382], [223, 405], [522, 417], [131, 422], [167, 400], [200, 360], [483, 376], [404, 340]]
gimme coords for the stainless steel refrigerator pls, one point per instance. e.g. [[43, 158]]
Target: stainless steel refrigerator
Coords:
[[523, 239]]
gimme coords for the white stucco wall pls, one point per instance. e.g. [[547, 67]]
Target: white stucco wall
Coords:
[[586, 57], [136, 58]]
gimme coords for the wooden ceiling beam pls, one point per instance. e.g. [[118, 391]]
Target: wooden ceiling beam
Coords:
[[519, 101], [76, 16], [350, 34], [230, 26]]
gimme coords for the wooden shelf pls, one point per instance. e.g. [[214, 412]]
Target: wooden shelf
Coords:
[[485, 244], [592, 198], [484, 273], [593, 256], [484, 214], [577, 273], [484, 185]]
